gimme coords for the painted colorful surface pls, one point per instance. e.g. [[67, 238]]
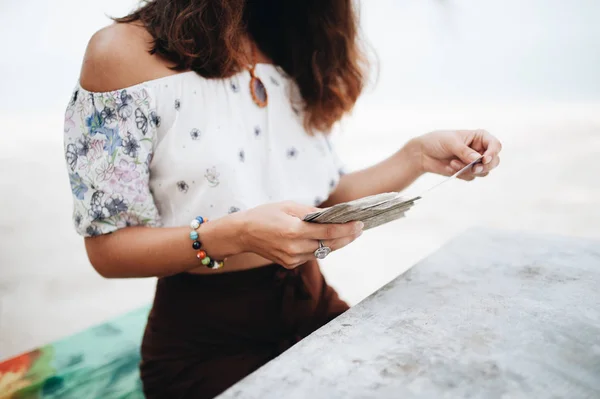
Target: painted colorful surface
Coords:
[[101, 362]]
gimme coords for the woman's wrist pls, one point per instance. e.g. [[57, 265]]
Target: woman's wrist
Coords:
[[223, 237], [239, 231], [410, 156]]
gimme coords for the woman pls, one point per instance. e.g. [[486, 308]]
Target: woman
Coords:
[[188, 110]]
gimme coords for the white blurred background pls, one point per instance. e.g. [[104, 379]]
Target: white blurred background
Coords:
[[528, 71]]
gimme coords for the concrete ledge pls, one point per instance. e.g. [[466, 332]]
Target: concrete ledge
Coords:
[[491, 314]]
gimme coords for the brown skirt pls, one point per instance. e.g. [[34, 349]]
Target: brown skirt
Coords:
[[206, 332]]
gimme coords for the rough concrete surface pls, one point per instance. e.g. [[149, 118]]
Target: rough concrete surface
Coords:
[[493, 314]]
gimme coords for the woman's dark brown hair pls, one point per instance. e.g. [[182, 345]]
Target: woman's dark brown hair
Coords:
[[314, 41]]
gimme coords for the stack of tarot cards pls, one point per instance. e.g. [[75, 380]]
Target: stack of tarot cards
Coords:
[[374, 210]]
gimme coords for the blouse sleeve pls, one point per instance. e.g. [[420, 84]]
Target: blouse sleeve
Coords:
[[109, 140]]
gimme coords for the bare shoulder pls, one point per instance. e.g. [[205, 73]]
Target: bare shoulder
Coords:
[[117, 56]]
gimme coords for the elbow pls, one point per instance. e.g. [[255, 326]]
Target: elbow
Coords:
[[100, 258], [105, 271], [102, 267]]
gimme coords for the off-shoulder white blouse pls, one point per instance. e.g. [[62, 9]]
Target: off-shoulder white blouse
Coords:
[[165, 151]]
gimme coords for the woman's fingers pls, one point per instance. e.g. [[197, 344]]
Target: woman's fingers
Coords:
[[492, 146], [480, 170], [484, 169], [310, 246], [467, 176], [483, 140], [462, 151], [439, 167], [457, 165], [298, 210], [316, 231], [301, 251]]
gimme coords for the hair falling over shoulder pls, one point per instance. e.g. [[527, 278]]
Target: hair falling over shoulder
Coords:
[[316, 42]]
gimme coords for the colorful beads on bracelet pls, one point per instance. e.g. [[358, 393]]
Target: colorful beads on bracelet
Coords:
[[197, 245], [215, 264]]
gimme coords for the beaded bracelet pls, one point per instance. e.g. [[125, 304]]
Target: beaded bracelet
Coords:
[[197, 245]]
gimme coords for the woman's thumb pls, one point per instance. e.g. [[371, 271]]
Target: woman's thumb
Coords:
[[466, 153], [299, 210]]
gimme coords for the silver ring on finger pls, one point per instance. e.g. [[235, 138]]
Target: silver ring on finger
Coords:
[[322, 251]]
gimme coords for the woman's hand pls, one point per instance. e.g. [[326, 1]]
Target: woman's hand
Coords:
[[277, 232], [445, 152]]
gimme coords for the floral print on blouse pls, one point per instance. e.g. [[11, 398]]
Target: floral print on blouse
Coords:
[[108, 149], [164, 151]]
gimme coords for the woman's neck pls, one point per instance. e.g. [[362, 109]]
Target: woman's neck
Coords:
[[259, 56]]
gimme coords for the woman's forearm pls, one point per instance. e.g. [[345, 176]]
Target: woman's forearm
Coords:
[[147, 251], [393, 174]]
